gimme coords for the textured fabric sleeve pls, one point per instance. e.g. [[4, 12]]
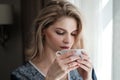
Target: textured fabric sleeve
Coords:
[[26, 72], [17, 76], [74, 75], [13, 77], [94, 75]]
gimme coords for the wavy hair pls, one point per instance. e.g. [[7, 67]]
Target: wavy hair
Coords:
[[52, 11]]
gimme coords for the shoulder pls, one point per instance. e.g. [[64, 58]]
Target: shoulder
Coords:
[[21, 71], [25, 68], [25, 72]]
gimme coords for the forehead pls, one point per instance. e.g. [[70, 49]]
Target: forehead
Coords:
[[67, 23]]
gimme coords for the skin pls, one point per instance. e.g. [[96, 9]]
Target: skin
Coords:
[[61, 35]]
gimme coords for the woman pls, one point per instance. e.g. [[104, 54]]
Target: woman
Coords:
[[57, 27]]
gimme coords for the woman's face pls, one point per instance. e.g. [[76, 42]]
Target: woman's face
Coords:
[[61, 35]]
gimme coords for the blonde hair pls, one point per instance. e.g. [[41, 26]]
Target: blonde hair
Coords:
[[52, 11]]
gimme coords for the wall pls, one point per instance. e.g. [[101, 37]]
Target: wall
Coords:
[[11, 54], [29, 10], [116, 40]]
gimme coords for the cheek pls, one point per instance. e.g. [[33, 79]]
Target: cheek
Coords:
[[53, 38], [72, 41]]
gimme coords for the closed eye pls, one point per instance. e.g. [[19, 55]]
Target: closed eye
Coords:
[[74, 33], [60, 32]]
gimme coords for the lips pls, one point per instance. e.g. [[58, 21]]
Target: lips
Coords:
[[65, 47]]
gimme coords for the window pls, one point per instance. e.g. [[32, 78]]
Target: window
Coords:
[[98, 27]]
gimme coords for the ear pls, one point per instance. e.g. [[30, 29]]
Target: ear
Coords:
[[43, 32]]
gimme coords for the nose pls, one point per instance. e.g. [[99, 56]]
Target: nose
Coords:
[[68, 39]]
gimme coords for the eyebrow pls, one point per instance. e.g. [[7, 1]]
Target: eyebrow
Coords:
[[64, 29], [61, 29]]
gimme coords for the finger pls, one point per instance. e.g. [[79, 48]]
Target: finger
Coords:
[[72, 66], [85, 68], [86, 63], [71, 59]]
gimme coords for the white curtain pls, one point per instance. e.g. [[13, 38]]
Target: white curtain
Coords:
[[97, 16]]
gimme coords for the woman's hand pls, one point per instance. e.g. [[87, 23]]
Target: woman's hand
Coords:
[[85, 68], [62, 65]]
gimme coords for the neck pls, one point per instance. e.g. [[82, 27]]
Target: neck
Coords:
[[44, 62]]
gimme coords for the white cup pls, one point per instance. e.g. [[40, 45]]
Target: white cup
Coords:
[[77, 51]]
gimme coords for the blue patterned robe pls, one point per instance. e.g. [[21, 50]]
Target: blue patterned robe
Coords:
[[29, 72]]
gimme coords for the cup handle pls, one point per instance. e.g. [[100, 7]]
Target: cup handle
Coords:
[[58, 53]]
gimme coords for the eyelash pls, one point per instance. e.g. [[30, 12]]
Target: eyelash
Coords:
[[73, 34], [62, 33]]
